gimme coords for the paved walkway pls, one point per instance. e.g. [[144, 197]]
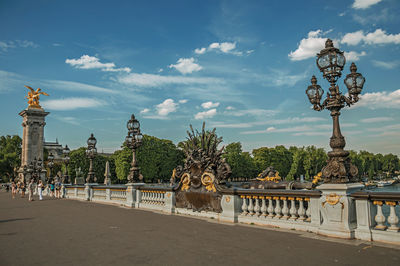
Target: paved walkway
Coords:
[[69, 232]]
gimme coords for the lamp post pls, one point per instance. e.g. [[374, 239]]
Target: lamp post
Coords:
[[91, 152], [34, 169], [66, 159], [133, 141], [50, 164], [330, 62]]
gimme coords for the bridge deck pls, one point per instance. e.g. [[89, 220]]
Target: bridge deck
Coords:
[[69, 232]]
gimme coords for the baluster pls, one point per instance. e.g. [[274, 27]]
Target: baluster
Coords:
[[257, 207], [285, 209], [308, 211], [293, 210], [270, 207], [393, 220], [251, 206], [244, 205], [301, 210], [278, 209], [379, 218], [263, 206]]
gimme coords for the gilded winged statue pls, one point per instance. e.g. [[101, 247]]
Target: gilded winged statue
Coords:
[[33, 97]]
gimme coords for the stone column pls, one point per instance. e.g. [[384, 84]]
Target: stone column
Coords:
[[338, 210], [169, 202], [231, 207], [130, 195], [32, 137]]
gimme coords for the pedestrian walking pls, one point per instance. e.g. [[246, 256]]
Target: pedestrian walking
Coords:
[[40, 189], [13, 189], [22, 186], [30, 190], [52, 188]]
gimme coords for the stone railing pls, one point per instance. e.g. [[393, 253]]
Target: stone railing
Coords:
[[333, 209], [290, 209], [378, 216]]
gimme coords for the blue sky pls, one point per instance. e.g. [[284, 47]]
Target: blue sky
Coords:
[[241, 66]]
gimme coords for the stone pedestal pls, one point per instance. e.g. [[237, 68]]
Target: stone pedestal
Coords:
[[169, 202], [130, 195], [231, 207], [32, 137], [337, 209]]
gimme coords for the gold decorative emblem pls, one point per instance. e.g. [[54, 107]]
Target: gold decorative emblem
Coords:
[[207, 179], [317, 178], [332, 199], [185, 182], [275, 178], [228, 199], [168, 195], [33, 97]]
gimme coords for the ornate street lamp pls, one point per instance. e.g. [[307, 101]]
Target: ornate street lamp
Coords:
[[91, 152], [66, 159], [50, 165], [34, 169], [133, 141], [330, 62]]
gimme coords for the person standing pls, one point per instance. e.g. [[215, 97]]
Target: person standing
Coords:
[[40, 189], [30, 190]]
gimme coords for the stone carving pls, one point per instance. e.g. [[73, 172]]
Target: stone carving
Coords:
[[199, 181]]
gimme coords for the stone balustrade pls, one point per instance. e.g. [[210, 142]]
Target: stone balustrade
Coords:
[[332, 211], [282, 208], [378, 216]]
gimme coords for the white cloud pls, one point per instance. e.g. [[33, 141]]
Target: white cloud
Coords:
[[380, 100], [72, 103], [145, 110], [376, 119], [230, 108], [200, 50], [290, 120], [379, 36], [354, 56], [206, 114], [151, 80], [92, 62], [186, 65], [5, 45], [309, 46], [74, 86], [183, 101], [252, 112], [208, 105], [224, 47], [363, 4], [386, 65], [278, 130], [166, 107]]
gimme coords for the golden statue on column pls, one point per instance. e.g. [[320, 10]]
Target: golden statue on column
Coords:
[[33, 97]]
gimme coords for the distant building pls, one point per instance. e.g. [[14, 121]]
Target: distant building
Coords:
[[54, 148]]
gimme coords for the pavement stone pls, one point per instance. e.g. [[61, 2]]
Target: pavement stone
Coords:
[[71, 232]]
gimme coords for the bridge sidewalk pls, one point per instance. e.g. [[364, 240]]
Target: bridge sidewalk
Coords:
[[69, 232]]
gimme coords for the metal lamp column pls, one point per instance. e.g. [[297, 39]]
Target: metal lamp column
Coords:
[[91, 152], [66, 159], [133, 141], [330, 62]]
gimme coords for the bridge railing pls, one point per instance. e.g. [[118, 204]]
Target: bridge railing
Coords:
[[365, 215], [378, 216]]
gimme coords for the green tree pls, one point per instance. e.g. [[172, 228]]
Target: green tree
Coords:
[[297, 167], [279, 157], [10, 152], [241, 163]]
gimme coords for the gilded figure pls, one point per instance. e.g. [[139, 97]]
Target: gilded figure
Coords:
[[33, 97]]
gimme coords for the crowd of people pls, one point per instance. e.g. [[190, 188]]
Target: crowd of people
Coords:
[[52, 189]]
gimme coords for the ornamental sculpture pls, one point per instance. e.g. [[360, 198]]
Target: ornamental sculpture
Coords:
[[330, 62], [199, 181], [33, 97]]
